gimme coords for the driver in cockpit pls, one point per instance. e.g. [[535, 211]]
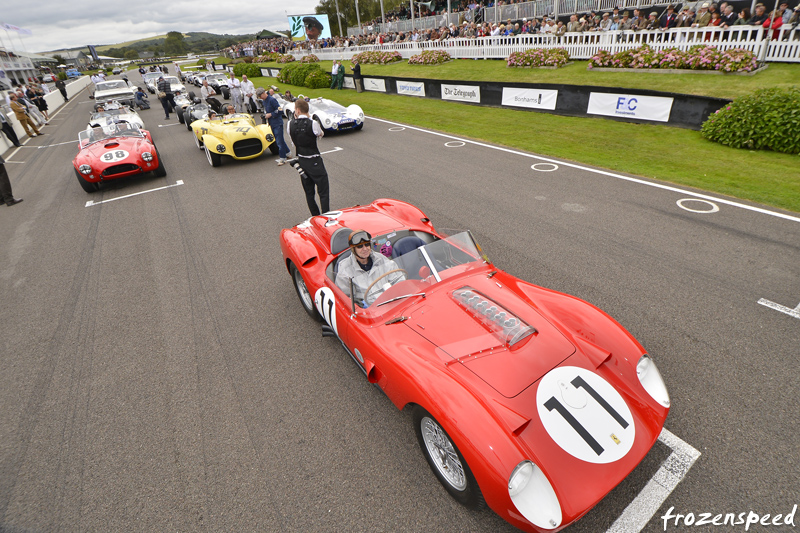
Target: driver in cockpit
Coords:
[[371, 273]]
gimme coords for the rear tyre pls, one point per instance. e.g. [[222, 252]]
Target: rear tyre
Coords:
[[306, 298], [226, 93], [187, 119], [446, 461], [181, 118], [87, 186], [214, 159]]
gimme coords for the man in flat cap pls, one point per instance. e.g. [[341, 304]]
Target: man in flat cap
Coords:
[[313, 28]]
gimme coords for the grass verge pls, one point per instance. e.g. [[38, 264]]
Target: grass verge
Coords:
[[660, 152]]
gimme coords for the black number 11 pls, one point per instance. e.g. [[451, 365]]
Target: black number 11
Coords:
[[578, 382]]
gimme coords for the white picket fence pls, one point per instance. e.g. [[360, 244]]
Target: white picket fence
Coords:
[[785, 48]]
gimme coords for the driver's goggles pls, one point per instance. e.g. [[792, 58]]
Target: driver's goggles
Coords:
[[360, 237]]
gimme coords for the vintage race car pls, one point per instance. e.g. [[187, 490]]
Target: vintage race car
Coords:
[[127, 150], [114, 90], [182, 101], [531, 400], [197, 111], [218, 82], [330, 115], [236, 136], [150, 79], [114, 113]]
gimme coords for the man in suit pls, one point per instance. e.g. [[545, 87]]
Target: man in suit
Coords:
[[8, 129], [21, 112], [5, 186], [668, 19]]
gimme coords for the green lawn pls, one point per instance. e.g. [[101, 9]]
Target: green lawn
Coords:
[[654, 151]]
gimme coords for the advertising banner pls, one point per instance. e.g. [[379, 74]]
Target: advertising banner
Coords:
[[266, 72], [349, 83], [410, 88], [374, 84], [461, 93], [530, 98], [309, 27], [655, 108]]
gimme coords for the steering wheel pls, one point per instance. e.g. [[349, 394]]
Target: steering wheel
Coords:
[[366, 292]]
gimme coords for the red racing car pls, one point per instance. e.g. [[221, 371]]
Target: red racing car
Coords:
[[530, 400], [113, 152]]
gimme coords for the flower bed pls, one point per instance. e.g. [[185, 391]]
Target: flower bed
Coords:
[[377, 58], [285, 58], [430, 57], [539, 57], [698, 57], [310, 58]]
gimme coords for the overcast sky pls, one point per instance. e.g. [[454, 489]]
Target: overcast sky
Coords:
[[58, 24]]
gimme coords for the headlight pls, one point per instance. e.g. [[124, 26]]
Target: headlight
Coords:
[[85, 169], [533, 496], [220, 148], [327, 122], [361, 116], [651, 380], [147, 156]]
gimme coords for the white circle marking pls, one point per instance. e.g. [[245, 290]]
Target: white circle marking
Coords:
[[714, 207], [455, 144], [537, 165]]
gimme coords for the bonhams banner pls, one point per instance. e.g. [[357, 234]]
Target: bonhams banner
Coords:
[[530, 98], [462, 93], [656, 108], [410, 88]]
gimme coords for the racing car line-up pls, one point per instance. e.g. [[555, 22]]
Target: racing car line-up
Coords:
[[527, 400]]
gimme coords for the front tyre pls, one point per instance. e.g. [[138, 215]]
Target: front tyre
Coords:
[[445, 460], [161, 170], [214, 159], [87, 186], [198, 142], [306, 298]]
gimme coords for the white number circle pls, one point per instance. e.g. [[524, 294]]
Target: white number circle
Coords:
[[585, 415], [112, 156], [326, 305]]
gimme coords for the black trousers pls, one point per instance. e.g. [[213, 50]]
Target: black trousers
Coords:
[[9, 131], [5, 185], [168, 102], [315, 176]]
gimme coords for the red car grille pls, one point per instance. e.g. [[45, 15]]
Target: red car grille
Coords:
[[120, 169], [247, 147]]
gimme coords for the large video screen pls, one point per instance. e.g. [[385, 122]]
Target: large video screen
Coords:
[[309, 27]]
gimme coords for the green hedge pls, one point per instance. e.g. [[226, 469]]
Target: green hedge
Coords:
[[318, 80], [768, 119], [252, 70], [297, 73]]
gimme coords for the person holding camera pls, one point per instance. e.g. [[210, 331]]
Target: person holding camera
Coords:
[[304, 133]]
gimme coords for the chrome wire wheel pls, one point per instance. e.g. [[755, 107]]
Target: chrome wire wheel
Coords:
[[443, 454], [302, 291]]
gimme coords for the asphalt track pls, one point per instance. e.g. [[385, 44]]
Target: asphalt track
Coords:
[[158, 372]]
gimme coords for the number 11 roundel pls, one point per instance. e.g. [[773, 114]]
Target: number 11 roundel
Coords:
[[585, 415]]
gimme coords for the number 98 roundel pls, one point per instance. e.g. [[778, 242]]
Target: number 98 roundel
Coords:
[[585, 415]]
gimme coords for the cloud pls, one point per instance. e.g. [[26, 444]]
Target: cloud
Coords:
[[58, 25]]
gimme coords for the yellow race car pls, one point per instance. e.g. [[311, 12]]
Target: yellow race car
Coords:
[[233, 135]]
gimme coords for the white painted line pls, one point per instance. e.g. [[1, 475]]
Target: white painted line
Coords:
[[604, 173], [168, 125], [15, 162], [639, 512], [90, 203], [783, 309], [49, 145], [714, 207], [455, 144], [336, 149], [396, 129]]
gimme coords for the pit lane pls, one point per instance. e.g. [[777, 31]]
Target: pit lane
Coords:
[[161, 373]]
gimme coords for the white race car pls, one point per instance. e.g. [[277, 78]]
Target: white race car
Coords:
[[114, 90], [330, 115], [113, 113]]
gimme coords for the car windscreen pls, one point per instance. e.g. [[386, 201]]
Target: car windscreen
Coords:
[[327, 106], [111, 85], [92, 135]]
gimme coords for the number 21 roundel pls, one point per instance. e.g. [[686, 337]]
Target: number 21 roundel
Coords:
[[585, 415]]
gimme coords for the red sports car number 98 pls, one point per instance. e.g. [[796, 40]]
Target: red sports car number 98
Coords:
[[114, 155]]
